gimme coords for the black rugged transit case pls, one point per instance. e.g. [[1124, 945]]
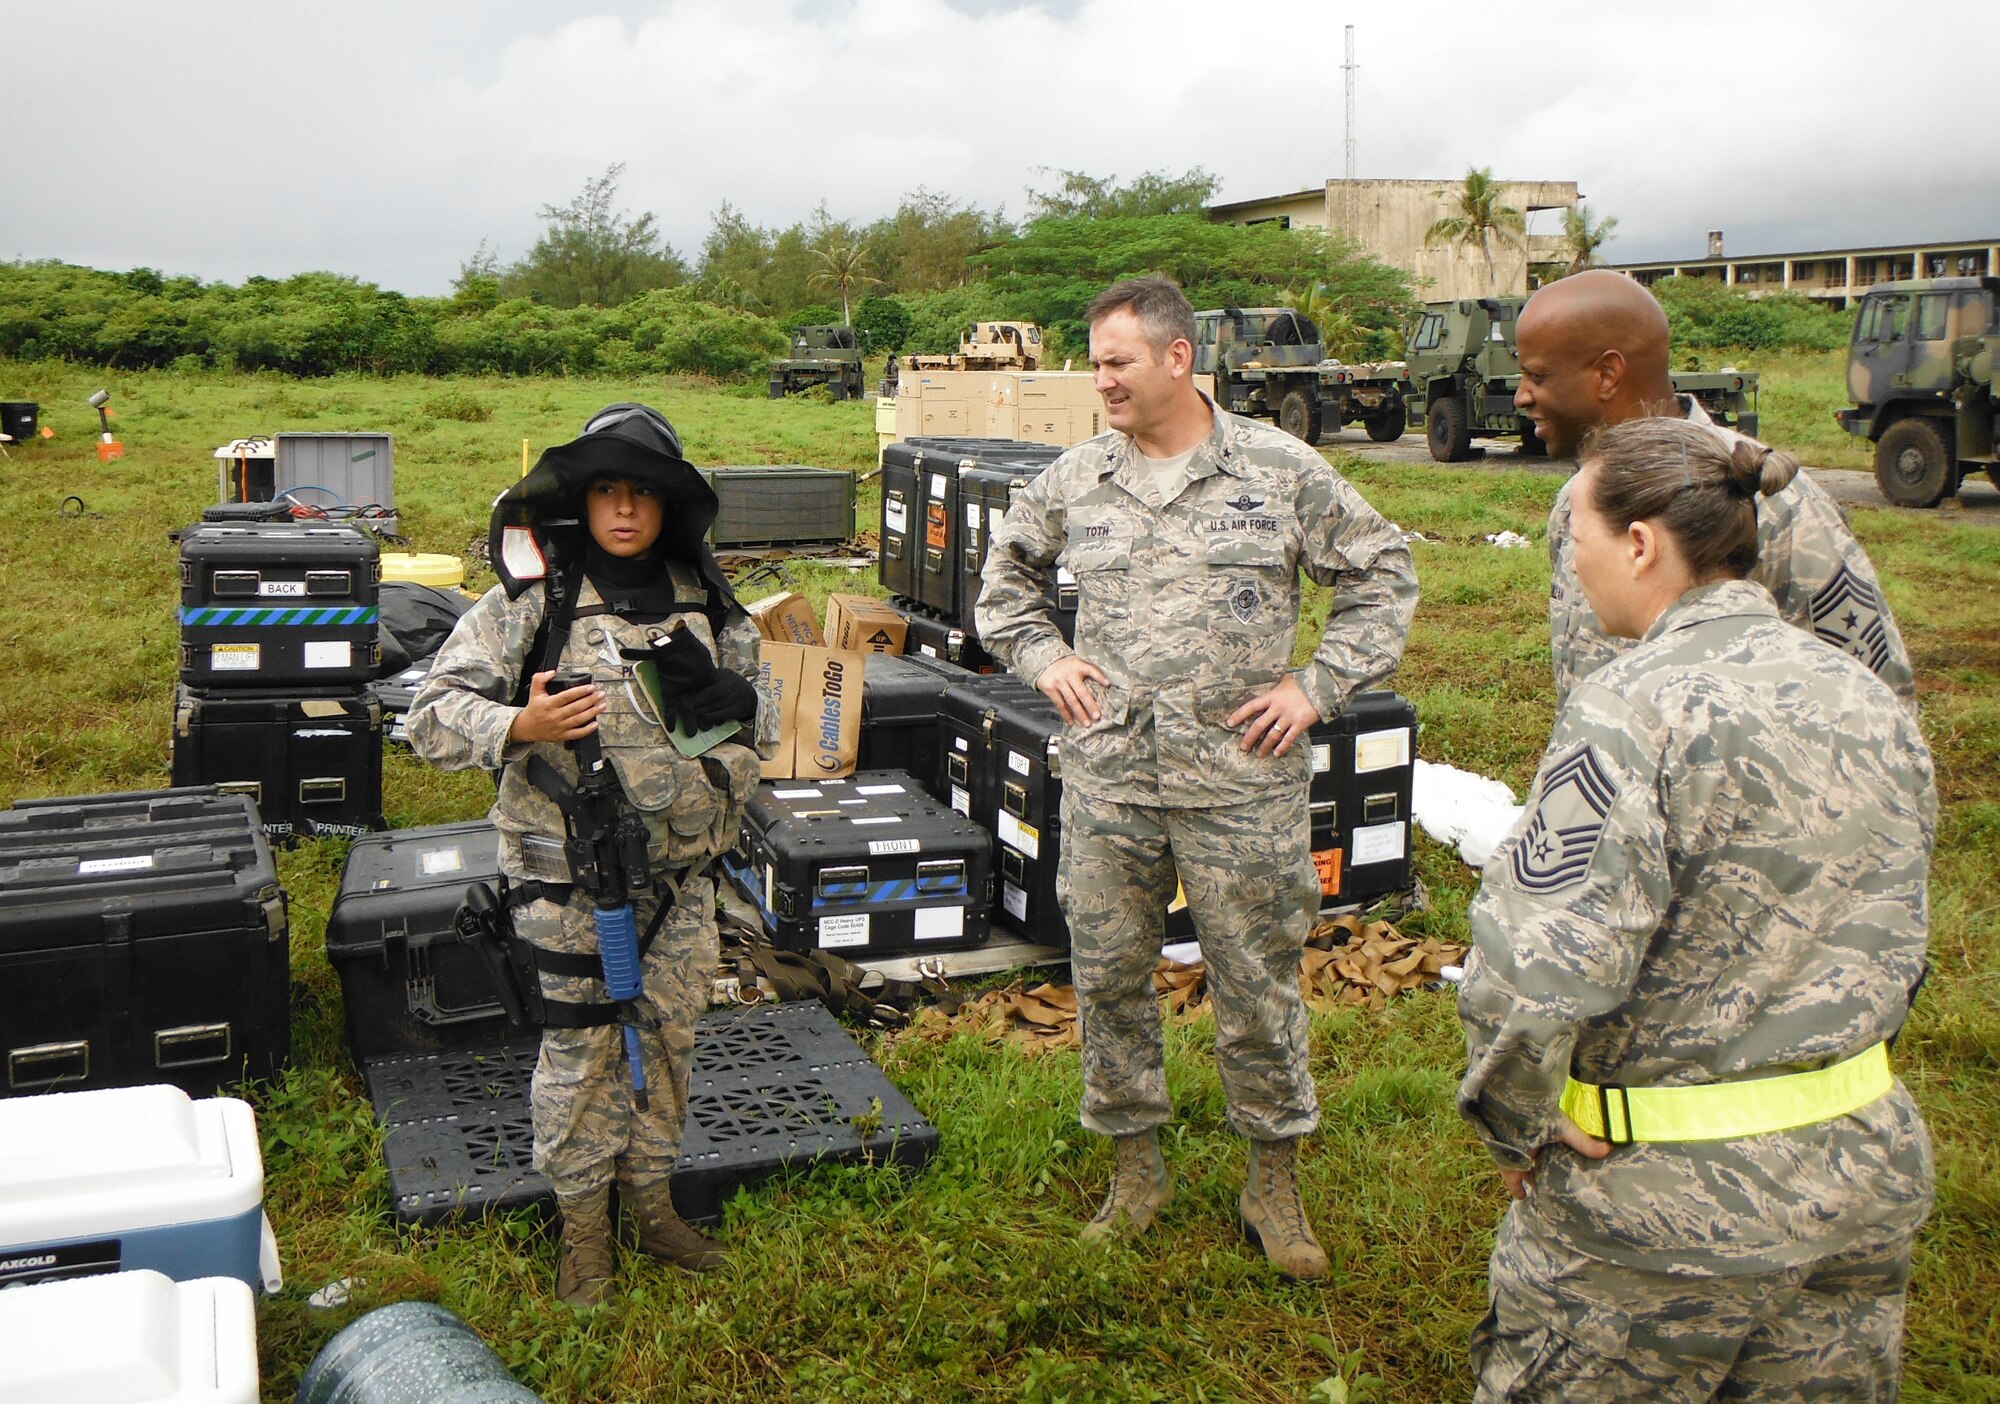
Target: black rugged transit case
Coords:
[[1363, 766], [312, 761], [999, 764], [409, 984], [931, 637], [899, 713], [396, 693], [866, 866], [985, 490], [275, 604], [143, 938]]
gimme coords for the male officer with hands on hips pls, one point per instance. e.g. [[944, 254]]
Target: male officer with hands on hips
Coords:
[[1186, 528]]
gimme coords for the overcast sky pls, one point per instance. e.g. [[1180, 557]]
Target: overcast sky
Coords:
[[386, 138]]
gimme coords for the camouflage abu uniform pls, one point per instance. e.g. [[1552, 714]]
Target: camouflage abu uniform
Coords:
[[1720, 874], [583, 1115], [1807, 558], [1191, 608]]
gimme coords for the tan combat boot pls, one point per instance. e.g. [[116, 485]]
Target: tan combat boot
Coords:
[[583, 1279], [1273, 1217], [1140, 1189], [665, 1234]]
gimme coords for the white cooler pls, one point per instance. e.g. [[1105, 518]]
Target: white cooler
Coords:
[[132, 1177], [129, 1338]]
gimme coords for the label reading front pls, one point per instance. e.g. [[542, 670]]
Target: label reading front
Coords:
[[92, 867], [879, 847], [1322, 757], [1018, 763], [1014, 833], [896, 516], [433, 861], [235, 658], [1378, 843], [281, 589], [961, 801], [1381, 750], [329, 653], [850, 929], [1014, 900], [940, 923]]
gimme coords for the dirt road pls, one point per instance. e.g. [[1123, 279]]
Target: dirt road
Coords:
[[1977, 501]]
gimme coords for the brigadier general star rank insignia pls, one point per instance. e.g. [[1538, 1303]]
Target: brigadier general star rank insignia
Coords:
[[1559, 842], [1847, 613]]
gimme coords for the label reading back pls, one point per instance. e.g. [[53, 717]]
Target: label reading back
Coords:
[[281, 589], [92, 867], [847, 930]]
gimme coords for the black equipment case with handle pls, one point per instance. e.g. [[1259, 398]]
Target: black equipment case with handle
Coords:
[[143, 938], [275, 604]]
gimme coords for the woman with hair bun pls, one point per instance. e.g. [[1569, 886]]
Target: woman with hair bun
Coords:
[[1689, 957]]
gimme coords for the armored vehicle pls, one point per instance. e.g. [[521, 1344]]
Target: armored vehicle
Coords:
[[1265, 361], [825, 355], [1463, 371], [1920, 373]]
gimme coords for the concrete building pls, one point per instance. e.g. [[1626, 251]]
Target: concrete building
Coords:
[[1828, 275], [1389, 218]]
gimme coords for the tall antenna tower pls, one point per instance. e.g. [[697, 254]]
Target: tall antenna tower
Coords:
[[1350, 68]]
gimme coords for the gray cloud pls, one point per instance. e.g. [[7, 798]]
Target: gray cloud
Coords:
[[226, 138]]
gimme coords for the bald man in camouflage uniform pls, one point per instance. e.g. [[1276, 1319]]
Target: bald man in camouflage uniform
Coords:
[[1594, 350], [1719, 878], [1186, 528]]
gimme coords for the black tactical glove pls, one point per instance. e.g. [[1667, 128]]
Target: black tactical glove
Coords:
[[729, 698], [680, 659]]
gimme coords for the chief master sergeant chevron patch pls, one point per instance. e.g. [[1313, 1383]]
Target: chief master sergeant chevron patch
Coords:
[[1556, 848]]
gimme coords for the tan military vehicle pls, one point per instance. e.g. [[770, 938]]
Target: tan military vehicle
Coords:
[[988, 346]]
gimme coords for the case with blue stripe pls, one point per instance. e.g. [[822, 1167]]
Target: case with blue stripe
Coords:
[[279, 604]]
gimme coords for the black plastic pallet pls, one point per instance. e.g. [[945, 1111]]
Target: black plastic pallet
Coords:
[[774, 1087]]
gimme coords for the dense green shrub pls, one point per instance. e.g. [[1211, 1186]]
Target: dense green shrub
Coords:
[[1705, 314]]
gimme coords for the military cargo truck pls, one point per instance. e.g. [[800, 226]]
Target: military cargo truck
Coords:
[[1265, 361], [1463, 370], [1920, 373], [988, 346], [822, 355]]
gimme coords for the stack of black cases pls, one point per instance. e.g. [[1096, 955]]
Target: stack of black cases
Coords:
[[1363, 767], [998, 764], [900, 697], [942, 499], [408, 983], [869, 866], [279, 642], [143, 938]]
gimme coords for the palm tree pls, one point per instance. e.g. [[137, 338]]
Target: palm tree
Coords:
[[843, 267], [1338, 331], [1478, 218], [1584, 236]]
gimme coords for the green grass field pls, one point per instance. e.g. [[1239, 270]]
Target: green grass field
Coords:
[[966, 1282]]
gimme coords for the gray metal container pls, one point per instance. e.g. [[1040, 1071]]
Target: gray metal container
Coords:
[[359, 469], [782, 505], [410, 1353]]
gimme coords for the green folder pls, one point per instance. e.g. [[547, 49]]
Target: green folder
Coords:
[[688, 744]]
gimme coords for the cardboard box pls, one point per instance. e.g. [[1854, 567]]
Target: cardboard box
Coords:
[[787, 617], [864, 623], [818, 692]]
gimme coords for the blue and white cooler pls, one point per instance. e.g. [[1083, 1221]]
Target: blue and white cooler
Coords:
[[129, 1338], [132, 1177]]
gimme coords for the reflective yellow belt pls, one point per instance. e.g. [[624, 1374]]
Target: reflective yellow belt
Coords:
[[1724, 1111]]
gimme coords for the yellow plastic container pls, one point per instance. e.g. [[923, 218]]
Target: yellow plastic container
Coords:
[[443, 572]]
